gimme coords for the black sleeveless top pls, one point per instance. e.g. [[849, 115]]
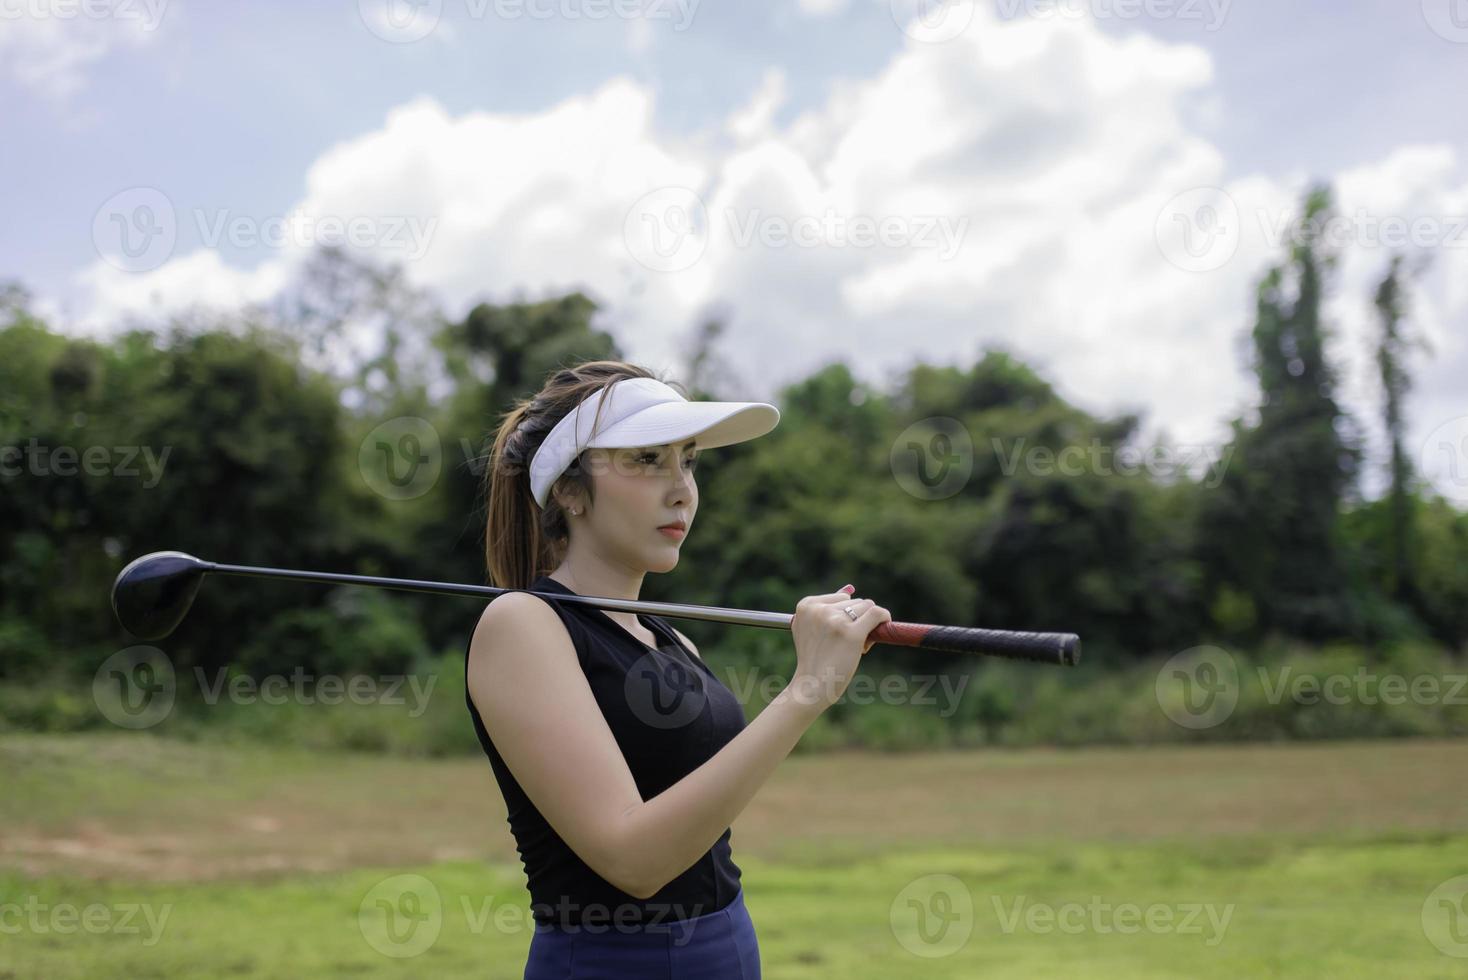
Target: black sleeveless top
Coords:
[[669, 715]]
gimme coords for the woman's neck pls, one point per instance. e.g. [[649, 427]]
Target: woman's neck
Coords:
[[609, 583]]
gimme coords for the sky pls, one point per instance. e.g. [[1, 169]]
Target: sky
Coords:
[[1094, 185]]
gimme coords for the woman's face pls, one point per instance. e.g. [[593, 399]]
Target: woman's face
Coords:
[[638, 491]]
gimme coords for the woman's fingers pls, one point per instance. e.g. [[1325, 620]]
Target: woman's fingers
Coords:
[[827, 598], [870, 620]]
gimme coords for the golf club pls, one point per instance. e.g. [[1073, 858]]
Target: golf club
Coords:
[[153, 593]]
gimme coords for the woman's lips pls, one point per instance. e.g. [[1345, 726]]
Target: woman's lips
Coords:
[[676, 533]]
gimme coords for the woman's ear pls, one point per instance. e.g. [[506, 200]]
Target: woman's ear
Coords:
[[569, 503]]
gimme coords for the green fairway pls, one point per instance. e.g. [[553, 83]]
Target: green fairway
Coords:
[[1343, 889], [1227, 911]]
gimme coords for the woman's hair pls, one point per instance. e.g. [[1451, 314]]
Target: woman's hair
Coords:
[[523, 540]]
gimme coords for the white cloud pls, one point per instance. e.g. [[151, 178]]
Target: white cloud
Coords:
[[754, 119], [49, 47], [823, 8], [1057, 148], [199, 279], [521, 202], [1426, 188]]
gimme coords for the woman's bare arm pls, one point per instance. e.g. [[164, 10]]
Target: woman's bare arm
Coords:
[[539, 710]]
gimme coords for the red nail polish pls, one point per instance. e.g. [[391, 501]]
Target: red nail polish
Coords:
[[848, 588]]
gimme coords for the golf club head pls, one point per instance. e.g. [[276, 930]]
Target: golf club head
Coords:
[[153, 593]]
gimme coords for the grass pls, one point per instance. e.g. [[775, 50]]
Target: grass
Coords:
[[1265, 910], [1314, 860]]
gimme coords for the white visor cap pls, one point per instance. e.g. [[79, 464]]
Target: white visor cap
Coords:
[[643, 412]]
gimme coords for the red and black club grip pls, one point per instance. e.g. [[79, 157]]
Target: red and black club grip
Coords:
[[1062, 649]]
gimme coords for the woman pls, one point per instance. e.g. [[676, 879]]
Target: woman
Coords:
[[621, 758]]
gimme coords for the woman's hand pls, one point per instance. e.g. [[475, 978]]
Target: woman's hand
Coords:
[[829, 643]]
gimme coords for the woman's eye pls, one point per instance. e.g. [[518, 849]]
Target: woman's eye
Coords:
[[691, 462]]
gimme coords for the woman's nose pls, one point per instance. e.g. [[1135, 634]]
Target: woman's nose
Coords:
[[683, 480]]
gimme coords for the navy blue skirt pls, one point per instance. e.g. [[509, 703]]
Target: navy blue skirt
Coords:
[[717, 946]]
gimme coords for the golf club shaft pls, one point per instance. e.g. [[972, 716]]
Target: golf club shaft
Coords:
[[1053, 648]]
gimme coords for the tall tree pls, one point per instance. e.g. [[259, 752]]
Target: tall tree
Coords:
[[1393, 347], [1271, 530], [362, 323]]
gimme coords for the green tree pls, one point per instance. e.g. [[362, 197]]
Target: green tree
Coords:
[[1271, 531], [1394, 345]]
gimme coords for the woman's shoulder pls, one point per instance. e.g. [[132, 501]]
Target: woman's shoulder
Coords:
[[521, 611]]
